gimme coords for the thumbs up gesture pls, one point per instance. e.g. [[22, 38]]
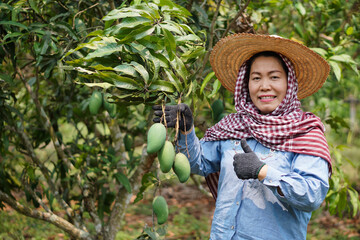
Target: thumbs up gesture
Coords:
[[247, 165]]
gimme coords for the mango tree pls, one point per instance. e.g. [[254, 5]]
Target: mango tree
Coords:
[[76, 82]]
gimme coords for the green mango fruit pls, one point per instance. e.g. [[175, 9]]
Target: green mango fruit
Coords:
[[220, 117], [181, 167], [128, 142], [156, 137], [166, 157], [217, 108], [112, 110], [109, 107], [160, 209], [95, 103]]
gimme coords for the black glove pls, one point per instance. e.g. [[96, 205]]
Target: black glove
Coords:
[[185, 118], [247, 165]]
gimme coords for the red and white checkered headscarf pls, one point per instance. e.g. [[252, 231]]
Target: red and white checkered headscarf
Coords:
[[287, 128]]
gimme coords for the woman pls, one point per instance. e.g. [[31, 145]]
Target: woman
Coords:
[[271, 158]]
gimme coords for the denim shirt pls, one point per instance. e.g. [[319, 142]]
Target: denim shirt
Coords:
[[253, 209]]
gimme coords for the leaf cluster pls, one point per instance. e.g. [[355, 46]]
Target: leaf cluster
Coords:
[[142, 54]]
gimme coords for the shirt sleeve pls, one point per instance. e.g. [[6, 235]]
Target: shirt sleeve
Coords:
[[305, 187], [204, 156]]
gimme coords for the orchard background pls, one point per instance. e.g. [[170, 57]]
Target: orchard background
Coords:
[[66, 173]]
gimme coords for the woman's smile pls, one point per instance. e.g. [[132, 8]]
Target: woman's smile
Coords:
[[267, 98]]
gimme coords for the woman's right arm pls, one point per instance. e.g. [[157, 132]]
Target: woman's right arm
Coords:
[[204, 156]]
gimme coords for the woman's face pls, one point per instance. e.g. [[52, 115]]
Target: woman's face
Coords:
[[267, 83]]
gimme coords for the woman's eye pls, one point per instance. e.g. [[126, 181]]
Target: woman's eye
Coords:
[[255, 78]]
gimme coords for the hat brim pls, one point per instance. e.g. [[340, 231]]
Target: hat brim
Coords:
[[231, 52]]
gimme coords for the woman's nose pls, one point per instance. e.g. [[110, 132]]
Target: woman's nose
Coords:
[[265, 84]]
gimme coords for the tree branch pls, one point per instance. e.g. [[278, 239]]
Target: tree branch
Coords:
[[117, 139], [44, 171], [212, 31], [123, 197], [211, 37], [46, 121], [57, 145], [45, 216], [33, 194], [91, 208], [241, 11], [47, 125]]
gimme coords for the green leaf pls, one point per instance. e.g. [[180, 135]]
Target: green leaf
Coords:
[[12, 23], [256, 16], [12, 35], [34, 6], [206, 80], [146, 11], [188, 38], [171, 27], [147, 180], [151, 234], [103, 85], [174, 80], [140, 69], [299, 29], [152, 42], [157, 64], [126, 23], [101, 67], [119, 81], [300, 8], [355, 202], [180, 68], [138, 34], [105, 50], [161, 58], [216, 87], [122, 179], [349, 31], [187, 28], [343, 203], [173, 6], [163, 86], [170, 43], [68, 29], [322, 52], [345, 58], [117, 14], [126, 69], [336, 69], [190, 89], [334, 203]]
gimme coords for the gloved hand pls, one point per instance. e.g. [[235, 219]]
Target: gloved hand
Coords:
[[185, 118], [247, 165]]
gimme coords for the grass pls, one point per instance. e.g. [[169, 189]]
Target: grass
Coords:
[[325, 227], [189, 219], [352, 169], [17, 226], [182, 224]]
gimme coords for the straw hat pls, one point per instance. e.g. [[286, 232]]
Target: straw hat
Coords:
[[231, 52]]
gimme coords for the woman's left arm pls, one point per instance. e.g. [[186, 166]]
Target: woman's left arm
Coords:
[[305, 187]]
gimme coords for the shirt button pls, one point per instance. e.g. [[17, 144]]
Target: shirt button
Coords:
[[232, 227], [237, 203]]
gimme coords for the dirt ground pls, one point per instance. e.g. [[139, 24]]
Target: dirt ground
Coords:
[[201, 205]]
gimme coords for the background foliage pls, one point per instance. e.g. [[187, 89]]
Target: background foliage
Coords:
[[79, 171]]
